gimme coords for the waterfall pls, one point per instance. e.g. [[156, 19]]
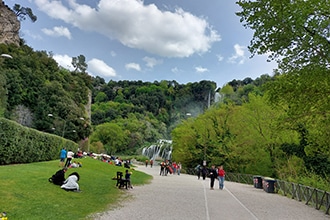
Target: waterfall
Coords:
[[162, 149], [217, 97]]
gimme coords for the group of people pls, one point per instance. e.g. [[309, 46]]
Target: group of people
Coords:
[[151, 163], [69, 184], [171, 168], [213, 173], [66, 156]]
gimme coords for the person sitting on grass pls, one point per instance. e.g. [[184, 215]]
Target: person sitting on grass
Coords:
[[59, 177], [71, 183]]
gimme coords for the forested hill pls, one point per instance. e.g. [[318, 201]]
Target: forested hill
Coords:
[[37, 93], [167, 101]]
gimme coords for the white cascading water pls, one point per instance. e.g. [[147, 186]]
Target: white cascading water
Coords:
[[163, 149]]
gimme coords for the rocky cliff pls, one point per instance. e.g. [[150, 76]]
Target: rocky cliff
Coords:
[[9, 25]]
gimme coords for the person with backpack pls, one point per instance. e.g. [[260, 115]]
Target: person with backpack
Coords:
[[59, 177]]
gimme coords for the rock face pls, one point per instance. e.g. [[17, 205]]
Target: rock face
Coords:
[[9, 25]]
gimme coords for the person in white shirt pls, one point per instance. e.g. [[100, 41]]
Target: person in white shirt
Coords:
[[71, 183], [69, 157]]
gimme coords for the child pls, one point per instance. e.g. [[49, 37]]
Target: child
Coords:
[[128, 179]]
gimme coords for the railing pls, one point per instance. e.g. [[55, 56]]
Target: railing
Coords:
[[319, 199], [316, 198]]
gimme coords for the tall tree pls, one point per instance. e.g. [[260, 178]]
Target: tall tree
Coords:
[[23, 12], [79, 63], [297, 31]]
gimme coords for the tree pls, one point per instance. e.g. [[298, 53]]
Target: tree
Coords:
[[79, 63], [297, 31], [110, 135], [258, 135], [23, 12]]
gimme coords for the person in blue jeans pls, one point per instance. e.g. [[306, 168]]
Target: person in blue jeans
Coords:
[[62, 156], [221, 176]]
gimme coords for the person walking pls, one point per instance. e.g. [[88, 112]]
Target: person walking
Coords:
[[151, 163], [198, 171], [213, 176], [179, 168], [69, 157], [162, 169], [204, 172], [221, 176], [174, 165], [147, 163], [62, 156]]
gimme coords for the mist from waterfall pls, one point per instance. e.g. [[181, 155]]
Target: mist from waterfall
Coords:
[[217, 97]]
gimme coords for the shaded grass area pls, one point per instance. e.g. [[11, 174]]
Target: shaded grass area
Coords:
[[25, 192]]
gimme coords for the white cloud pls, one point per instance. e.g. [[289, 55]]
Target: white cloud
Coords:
[[220, 58], [57, 32], [33, 36], [151, 62], [134, 66], [136, 25], [175, 70], [113, 53], [200, 69], [239, 56], [100, 68], [64, 61]]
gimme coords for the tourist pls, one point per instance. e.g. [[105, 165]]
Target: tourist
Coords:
[[204, 172], [69, 157], [62, 156], [128, 179], [174, 165], [179, 166], [213, 175], [71, 183], [221, 176]]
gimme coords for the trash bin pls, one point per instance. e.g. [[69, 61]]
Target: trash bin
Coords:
[[257, 180], [269, 184]]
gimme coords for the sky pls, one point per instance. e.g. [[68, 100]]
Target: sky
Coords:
[[151, 40]]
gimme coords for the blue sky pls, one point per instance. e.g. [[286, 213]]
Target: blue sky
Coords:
[[182, 40]]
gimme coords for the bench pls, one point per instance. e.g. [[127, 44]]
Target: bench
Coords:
[[120, 181]]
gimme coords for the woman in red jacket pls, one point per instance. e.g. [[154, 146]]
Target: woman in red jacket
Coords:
[[221, 177]]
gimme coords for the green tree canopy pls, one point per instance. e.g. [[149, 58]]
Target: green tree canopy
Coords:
[[23, 12], [295, 31]]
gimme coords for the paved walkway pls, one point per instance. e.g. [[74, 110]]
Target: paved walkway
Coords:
[[184, 197]]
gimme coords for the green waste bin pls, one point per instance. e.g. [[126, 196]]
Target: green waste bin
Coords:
[[257, 180], [269, 184]]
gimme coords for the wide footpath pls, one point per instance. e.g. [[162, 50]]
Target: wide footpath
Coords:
[[184, 197]]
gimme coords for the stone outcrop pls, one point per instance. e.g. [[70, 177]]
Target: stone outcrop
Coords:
[[9, 25]]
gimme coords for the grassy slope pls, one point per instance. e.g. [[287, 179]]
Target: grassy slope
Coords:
[[25, 192]]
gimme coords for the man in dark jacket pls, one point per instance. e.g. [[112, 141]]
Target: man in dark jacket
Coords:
[[213, 175]]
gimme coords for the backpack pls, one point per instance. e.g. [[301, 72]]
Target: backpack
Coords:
[[58, 178]]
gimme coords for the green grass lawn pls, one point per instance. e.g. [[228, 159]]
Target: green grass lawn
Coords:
[[25, 192]]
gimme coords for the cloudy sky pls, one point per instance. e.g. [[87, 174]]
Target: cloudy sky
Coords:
[[182, 40]]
